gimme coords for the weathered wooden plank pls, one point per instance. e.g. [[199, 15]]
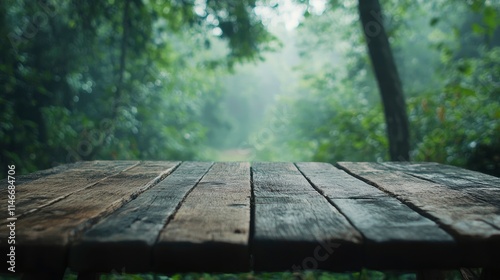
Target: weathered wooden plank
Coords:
[[452, 176], [124, 239], [474, 223], [335, 183], [45, 234], [36, 194], [479, 185], [398, 237], [391, 229], [295, 227], [210, 230], [23, 179]]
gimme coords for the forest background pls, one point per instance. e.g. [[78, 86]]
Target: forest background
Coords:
[[243, 80]]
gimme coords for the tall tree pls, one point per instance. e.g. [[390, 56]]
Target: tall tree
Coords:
[[99, 79], [388, 79]]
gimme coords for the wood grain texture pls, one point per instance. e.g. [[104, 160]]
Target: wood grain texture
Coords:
[[478, 185], [37, 193], [44, 235], [335, 183], [124, 240], [391, 229], [23, 179], [295, 227], [474, 223], [452, 176], [138, 216], [210, 230]]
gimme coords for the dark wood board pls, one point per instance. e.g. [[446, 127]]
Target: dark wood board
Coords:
[[35, 194], [452, 176], [391, 229], [124, 240], [479, 185], [23, 179], [474, 223], [210, 230], [43, 236], [171, 217], [397, 237], [335, 183], [295, 227]]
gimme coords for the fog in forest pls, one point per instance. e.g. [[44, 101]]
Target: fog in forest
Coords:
[[277, 80]]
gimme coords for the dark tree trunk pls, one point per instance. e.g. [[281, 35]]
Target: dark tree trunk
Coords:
[[123, 55], [387, 78]]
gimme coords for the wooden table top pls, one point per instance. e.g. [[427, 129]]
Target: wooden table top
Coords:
[[167, 216]]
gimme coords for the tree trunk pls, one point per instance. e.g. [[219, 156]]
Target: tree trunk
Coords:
[[388, 79], [123, 55]]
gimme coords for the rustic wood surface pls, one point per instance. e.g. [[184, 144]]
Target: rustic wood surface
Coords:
[[133, 229], [391, 229], [210, 231], [37, 193], [131, 216], [23, 179], [295, 227], [335, 183], [475, 184], [474, 223], [451, 176], [45, 234]]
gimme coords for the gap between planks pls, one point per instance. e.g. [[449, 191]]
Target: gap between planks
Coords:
[[473, 222], [390, 228], [124, 238], [50, 230], [294, 222], [210, 230]]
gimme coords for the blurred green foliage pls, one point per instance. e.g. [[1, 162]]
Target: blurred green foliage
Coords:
[[117, 79], [148, 80], [451, 80]]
